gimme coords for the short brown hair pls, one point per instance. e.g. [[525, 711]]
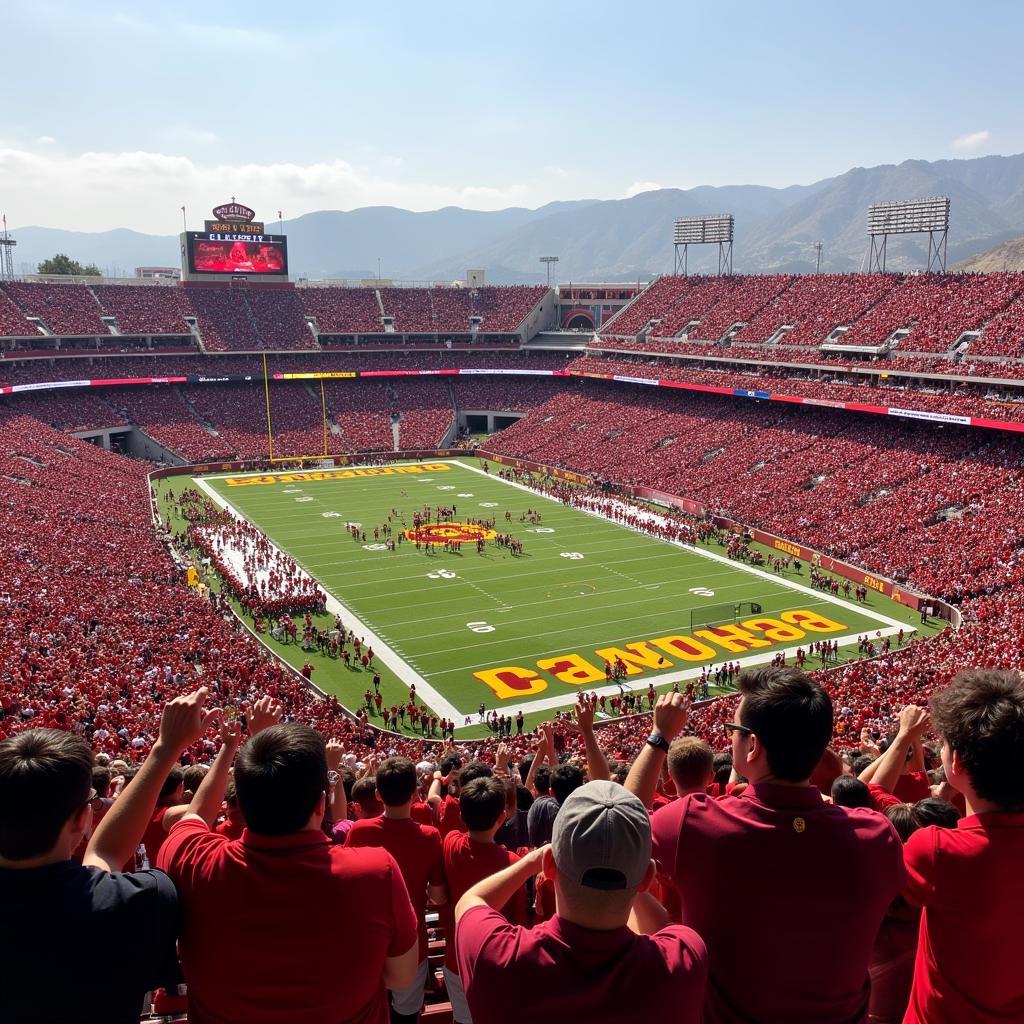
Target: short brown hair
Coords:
[[980, 715], [691, 762], [396, 781], [280, 775], [45, 778], [482, 802]]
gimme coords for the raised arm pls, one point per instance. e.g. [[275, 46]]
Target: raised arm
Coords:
[[597, 763], [337, 802], [539, 754], [116, 839], [496, 890], [209, 796], [885, 771], [671, 713]]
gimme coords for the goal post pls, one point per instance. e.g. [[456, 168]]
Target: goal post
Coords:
[[722, 614]]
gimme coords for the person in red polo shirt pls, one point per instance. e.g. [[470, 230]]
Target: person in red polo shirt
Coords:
[[417, 849], [586, 963], [969, 879], [280, 925], [788, 891], [470, 857]]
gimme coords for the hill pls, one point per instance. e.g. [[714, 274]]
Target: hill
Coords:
[[1008, 256], [616, 239]]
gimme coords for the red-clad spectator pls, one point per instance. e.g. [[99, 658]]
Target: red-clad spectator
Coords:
[[470, 857], [340, 919], [771, 845], [968, 880], [586, 960], [417, 849]]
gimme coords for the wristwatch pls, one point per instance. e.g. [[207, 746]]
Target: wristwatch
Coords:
[[658, 741]]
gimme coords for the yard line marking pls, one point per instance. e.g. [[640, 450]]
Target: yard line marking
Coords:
[[385, 653]]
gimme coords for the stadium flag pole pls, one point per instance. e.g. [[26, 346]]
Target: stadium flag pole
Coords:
[[184, 222], [266, 391], [323, 406]]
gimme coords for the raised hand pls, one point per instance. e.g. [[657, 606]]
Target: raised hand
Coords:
[[586, 708], [913, 721], [671, 713], [186, 718], [231, 734], [265, 713], [335, 752]]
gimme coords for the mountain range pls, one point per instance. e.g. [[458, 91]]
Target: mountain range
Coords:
[[614, 239]]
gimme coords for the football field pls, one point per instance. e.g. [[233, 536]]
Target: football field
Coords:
[[524, 630]]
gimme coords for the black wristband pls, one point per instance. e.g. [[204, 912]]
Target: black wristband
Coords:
[[658, 741]]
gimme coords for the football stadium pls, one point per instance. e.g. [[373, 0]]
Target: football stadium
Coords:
[[379, 649]]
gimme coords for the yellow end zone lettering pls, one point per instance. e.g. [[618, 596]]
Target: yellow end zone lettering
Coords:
[[334, 474], [513, 682]]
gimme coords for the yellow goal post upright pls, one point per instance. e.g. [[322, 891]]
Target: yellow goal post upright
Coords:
[[302, 459]]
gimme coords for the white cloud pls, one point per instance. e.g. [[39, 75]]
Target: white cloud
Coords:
[[558, 172], [971, 141], [144, 191], [46, 140], [641, 186]]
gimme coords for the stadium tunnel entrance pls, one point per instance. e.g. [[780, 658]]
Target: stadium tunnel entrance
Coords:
[[578, 319], [478, 422]]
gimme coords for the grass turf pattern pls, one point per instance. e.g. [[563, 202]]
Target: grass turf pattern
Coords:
[[526, 631]]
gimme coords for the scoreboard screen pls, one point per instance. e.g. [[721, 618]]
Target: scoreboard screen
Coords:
[[220, 253]]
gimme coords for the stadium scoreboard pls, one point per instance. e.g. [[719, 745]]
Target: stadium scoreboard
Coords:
[[233, 244]]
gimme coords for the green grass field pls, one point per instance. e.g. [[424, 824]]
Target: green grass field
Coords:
[[529, 631]]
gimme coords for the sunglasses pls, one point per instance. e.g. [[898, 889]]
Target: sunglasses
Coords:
[[92, 798], [731, 727]]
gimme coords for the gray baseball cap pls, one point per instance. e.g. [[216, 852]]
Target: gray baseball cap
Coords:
[[602, 837]]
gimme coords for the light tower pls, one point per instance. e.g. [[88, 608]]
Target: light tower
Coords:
[[547, 261], [7, 245]]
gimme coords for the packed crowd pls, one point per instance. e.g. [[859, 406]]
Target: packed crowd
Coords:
[[64, 309], [936, 309], [562, 881], [99, 631]]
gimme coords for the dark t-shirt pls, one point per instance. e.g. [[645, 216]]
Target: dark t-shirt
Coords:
[[541, 820], [84, 945]]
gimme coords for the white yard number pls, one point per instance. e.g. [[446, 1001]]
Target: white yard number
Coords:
[[480, 627], [465, 494], [331, 515], [488, 504], [442, 574], [291, 490], [702, 591], [307, 497], [358, 526], [446, 487], [539, 529], [572, 554], [375, 547]]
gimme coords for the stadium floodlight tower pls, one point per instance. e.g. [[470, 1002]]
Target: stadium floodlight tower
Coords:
[[909, 217], [548, 261], [716, 229], [7, 245]]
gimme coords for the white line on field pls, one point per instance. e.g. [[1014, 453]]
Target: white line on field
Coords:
[[386, 654]]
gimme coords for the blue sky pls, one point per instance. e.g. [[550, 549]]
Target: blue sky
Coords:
[[126, 111]]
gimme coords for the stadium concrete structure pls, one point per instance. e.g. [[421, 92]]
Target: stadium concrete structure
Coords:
[[868, 424]]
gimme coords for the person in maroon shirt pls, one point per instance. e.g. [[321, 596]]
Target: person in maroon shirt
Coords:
[[968, 880], [608, 954], [788, 891], [280, 925], [417, 849], [470, 857]]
